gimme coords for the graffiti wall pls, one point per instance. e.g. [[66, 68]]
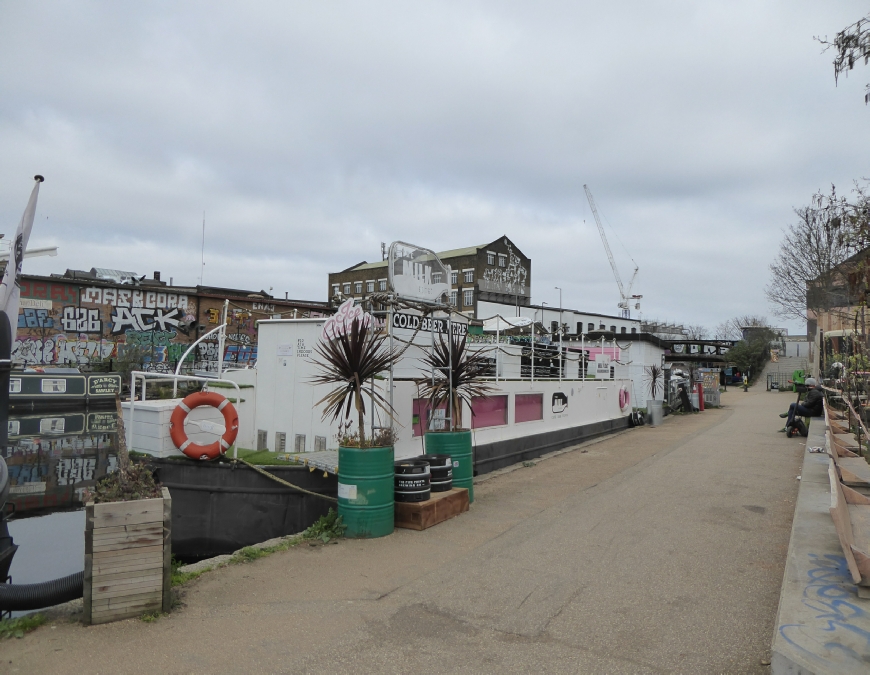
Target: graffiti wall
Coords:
[[67, 323]]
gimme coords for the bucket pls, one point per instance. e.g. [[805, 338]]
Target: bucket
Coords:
[[456, 444], [365, 491], [656, 412], [441, 468], [412, 480]]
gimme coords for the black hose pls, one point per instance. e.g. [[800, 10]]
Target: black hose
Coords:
[[19, 597]]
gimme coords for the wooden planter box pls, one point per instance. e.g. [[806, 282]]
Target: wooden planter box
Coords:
[[128, 559]]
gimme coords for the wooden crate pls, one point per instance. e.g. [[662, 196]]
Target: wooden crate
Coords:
[[440, 507], [128, 559]]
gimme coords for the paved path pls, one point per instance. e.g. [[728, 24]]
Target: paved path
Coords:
[[657, 550]]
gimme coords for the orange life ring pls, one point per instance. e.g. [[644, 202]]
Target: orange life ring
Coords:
[[179, 415], [624, 398]]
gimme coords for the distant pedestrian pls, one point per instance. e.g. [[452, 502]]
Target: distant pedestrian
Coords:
[[723, 381]]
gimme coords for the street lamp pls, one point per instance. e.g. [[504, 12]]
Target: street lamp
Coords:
[[560, 332]]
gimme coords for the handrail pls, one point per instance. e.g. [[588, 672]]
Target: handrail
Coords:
[[167, 376]]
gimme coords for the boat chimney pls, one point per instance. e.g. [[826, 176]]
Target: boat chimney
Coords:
[[156, 276], [286, 293]]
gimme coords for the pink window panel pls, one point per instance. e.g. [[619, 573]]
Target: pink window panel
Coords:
[[489, 412], [528, 407], [421, 412]]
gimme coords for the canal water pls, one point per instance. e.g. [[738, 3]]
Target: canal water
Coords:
[[53, 457]]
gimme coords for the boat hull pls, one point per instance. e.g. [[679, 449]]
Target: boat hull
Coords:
[[218, 508]]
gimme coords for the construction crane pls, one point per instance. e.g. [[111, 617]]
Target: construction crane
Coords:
[[626, 297]]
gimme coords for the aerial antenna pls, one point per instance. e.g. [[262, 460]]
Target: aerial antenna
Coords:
[[202, 267]]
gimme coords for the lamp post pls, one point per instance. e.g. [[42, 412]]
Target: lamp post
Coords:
[[560, 332]]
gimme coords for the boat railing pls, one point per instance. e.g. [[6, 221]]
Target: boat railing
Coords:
[[166, 377]]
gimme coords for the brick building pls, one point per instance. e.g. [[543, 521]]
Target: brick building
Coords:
[[495, 272], [87, 317]]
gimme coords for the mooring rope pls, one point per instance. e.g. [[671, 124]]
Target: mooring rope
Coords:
[[284, 482]]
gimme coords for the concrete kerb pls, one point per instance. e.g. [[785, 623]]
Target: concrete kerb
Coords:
[[822, 626]]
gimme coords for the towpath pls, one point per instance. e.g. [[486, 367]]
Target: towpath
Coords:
[[657, 550]]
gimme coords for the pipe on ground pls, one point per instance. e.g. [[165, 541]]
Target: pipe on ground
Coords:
[[22, 597]]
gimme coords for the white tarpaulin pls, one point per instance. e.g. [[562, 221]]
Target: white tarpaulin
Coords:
[[10, 288], [497, 323]]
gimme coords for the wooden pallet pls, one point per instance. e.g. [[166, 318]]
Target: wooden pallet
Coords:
[[440, 507], [127, 558]]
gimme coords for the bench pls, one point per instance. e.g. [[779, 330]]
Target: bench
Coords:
[[850, 511]]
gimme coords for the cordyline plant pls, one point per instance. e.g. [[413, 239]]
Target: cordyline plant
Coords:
[[455, 365], [348, 361], [653, 376]]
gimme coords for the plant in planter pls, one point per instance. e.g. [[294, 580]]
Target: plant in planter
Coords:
[[128, 545], [350, 354], [654, 379], [457, 380]]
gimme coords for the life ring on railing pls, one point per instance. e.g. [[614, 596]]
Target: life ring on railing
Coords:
[[624, 398], [179, 415]]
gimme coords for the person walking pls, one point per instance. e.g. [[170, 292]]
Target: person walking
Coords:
[[812, 405]]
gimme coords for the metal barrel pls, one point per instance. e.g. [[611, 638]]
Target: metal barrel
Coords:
[[457, 444], [441, 468], [412, 480], [365, 491]]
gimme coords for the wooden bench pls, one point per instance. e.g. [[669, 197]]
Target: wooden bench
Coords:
[[850, 511]]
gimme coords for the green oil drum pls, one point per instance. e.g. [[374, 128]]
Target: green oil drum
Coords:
[[457, 444], [365, 491]]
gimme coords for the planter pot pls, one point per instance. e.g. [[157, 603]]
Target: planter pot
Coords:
[[128, 559], [365, 491], [656, 412], [457, 444]]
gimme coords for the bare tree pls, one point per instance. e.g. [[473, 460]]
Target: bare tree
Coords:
[[732, 329], [696, 332], [851, 45], [809, 252]]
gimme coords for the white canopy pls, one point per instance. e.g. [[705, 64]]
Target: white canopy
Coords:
[[497, 323]]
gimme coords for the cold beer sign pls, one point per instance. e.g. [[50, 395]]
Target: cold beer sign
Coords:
[[427, 324]]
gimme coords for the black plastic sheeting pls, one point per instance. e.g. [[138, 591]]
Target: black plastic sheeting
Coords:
[[218, 508], [23, 597]]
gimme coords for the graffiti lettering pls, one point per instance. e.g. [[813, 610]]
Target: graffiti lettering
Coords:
[[81, 320], [142, 319], [263, 307], [59, 350], [35, 318], [150, 338], [241, 338], [129, 298]]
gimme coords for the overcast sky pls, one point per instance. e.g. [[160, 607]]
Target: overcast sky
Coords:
[[308, 133]]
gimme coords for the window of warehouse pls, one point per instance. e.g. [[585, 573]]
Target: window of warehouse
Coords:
[[370, 287], [490, 258], [382, 284], [502, 260], [357, 287], [468, 276], [347, 289], [454, 277], [468, 298], [335, 289], [453, 298]]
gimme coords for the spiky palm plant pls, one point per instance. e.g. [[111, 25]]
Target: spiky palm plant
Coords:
[[454, 364], [654, 380], [348, 361]]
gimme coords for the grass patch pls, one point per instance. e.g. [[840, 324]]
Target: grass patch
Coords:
[[326, 527], [18, 626], [179, 577], [151, 617], [260, 457]]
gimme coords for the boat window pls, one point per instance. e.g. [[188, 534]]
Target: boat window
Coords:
[[622, 330], [528, 407], [422, 416], [489, 412], [53, 386]]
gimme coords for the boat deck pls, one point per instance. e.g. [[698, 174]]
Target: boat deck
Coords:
[[325, 460]]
